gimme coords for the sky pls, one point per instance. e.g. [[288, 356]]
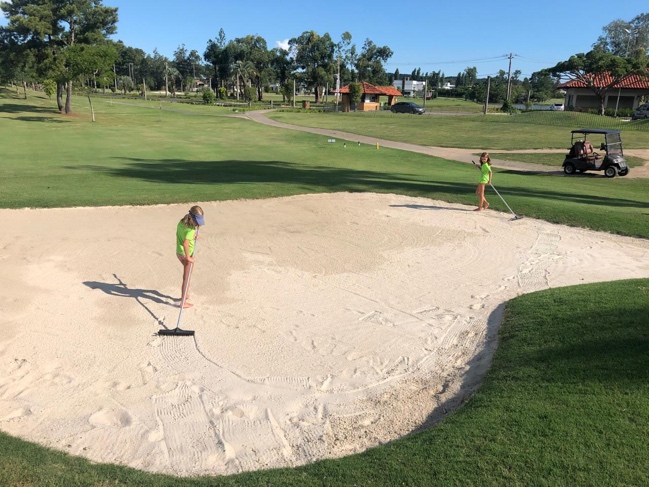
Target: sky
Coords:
[[447, 36]]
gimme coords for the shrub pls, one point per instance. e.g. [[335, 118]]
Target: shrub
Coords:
[[208, 97], [49, 87], [508, 107]]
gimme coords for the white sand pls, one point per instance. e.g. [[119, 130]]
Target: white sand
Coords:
[[325, 324]]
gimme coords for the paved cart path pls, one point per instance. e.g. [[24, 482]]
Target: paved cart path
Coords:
[[451, 153]]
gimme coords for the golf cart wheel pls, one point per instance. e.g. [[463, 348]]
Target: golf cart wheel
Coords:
[[610, 172], [569, 168]]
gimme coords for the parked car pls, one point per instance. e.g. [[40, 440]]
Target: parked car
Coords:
[[407, 107], [557, 107], [641, 112]]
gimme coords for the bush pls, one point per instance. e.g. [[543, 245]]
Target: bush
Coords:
[[508, 107], [49, 87], [208, 97]]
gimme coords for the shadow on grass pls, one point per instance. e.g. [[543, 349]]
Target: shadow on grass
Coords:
[[40, 119], [178, 171], [604, 346], [324, 178], [16, 108]]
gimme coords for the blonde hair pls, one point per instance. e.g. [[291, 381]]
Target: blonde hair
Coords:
[[187, 220], [485, 154]]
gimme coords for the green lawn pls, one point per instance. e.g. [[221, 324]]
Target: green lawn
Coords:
[[566, 401], [533, 130], [550, 158]]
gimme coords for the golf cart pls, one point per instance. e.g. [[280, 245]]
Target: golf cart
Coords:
[[582, 157]]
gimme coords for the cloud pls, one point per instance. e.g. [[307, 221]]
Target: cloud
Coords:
[[282, 44]]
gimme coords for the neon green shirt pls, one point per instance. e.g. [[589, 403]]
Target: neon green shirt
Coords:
[[485, 168], [185, 233]]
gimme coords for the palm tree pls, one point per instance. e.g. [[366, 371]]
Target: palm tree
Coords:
[[243, 71]]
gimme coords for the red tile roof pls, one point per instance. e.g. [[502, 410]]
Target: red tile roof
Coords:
[[375, 90], [632, 82]]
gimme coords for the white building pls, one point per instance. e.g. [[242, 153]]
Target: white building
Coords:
[[409, 87]]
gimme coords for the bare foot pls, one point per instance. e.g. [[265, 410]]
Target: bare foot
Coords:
[[187, 305], [478, 209]]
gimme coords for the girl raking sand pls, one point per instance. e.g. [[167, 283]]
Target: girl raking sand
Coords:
[[186, 234], [485, 179]]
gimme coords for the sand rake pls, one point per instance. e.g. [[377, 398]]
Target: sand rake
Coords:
[[178, 332]]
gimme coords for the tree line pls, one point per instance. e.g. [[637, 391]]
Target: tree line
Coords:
[[60, 44]]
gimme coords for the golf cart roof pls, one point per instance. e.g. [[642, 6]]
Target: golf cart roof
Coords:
[[595, 131]]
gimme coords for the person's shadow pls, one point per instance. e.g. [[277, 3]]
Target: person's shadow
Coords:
[[140, 295]]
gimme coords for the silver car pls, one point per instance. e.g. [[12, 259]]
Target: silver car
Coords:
[[641, 112]]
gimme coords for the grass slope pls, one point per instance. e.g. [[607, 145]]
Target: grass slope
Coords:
[[138, 155]]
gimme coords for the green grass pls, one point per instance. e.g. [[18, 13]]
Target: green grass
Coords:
[[566, 401], [138, 155], [533, 130], [550, 158]]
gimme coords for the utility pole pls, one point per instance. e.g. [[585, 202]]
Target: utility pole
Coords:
[[115, 75], [486, 102], [166, 80], [509, 77]]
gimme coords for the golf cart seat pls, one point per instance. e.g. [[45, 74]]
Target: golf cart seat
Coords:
[[583, 150], [588, 152]]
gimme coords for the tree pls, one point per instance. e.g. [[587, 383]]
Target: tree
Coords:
[[286, 89], [542, 86], [628, 39], [599, 71], [47, 29], [314, 56], [243, 71], [344, 51], [370, 63], [282, 67], [255, 52], [216, 55], [355, 93]]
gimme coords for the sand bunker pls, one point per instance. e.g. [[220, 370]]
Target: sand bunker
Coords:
[[325, 324]]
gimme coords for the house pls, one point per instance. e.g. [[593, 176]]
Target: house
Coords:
[[370, 99], [409, 87], [627, 94]]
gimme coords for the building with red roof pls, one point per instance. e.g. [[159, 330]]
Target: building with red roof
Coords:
[[371, 98], [628, 93]]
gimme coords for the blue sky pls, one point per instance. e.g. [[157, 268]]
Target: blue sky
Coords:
[[448, 36]]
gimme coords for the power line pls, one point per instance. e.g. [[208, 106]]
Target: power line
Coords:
[[499, 58]]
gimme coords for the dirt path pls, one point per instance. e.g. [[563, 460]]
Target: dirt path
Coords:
[[451, 153]]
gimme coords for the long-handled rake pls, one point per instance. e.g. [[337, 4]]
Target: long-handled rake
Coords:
[[178, 331], [516, 217]]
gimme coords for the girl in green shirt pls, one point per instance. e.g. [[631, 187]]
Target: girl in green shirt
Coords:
[[485, 178], [186, 234]]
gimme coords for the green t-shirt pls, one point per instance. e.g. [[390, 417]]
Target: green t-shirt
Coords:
[[485, 168], [184, 233]]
